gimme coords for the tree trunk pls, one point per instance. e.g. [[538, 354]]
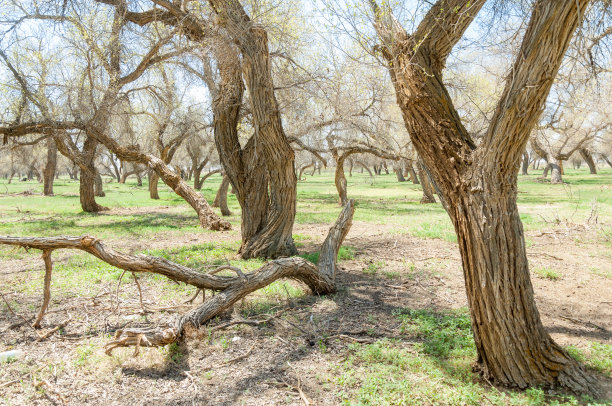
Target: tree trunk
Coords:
[[428, 193], [555, 173], [88, 177], [50, 167], [400, 175], [138, 178], [364, 166], [588, 158], [351, 163], [479, 183], [605, 158], [153, 182], [221, 197], [197, 171], [525, 164], [340, 181], [99, 185], [413, 176], [303, 168]]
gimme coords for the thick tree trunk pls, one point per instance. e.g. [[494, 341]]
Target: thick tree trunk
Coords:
[[99, 185], [556, 171], [546, 169], [525, 164], [588, 158], [50, 167], [221, 197], [413, 176], [88, 177], [500, 294], [197, 184], [153, 185]]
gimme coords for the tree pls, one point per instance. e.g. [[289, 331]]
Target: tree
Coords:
[[478, 184]]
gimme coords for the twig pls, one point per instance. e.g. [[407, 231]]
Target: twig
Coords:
[[54, 329], [248, 322], [142, 306], [585, 323], [193, 297], [117, 290], [46, 255]]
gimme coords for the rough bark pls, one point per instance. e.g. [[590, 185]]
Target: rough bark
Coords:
[[479, 184], [340, 181], [50, 167], [320, 279], [585, 153], [303, 168], [555, 171], [399, 172]]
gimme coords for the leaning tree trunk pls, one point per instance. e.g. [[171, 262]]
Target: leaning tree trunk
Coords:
[[153, 186], [588, 158], [50, 167], [99, 185], [555, 171], [221, 197]]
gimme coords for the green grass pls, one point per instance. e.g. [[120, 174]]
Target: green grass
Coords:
[[598, 356], [547, 273], [435, 369]]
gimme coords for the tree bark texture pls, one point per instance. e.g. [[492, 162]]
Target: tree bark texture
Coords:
[[98, 185], [479, 185], [428, 191], [221, 197], [525, 164]]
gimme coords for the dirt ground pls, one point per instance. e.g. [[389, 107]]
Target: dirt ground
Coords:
[[290, 359]]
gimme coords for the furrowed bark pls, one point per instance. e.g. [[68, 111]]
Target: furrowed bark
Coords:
[[50, 167], [478, 186]]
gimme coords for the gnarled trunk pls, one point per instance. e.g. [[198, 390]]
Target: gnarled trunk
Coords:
[[50, 167], [588, 158]]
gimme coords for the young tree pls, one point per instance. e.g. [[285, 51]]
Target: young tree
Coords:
[[478, 183]]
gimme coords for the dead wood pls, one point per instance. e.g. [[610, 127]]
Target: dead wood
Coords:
[[231, 289]]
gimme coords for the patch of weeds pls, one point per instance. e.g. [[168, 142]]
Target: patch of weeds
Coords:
[[84, 353], [598, 356], [174, 353], [602, 272], [346, 253], [373, 267], [391, 274], [547, 273], [443, 334]]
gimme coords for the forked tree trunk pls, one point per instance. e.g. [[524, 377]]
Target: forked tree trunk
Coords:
[[153, 185], [479, 183], [588, 158], [50, 167]]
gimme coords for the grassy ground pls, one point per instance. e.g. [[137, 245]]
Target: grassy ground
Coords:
[[397, 332]]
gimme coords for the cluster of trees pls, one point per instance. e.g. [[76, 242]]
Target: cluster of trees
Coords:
[[174, 89]]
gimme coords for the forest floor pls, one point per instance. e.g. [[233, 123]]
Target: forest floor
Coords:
[[396, 332]]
